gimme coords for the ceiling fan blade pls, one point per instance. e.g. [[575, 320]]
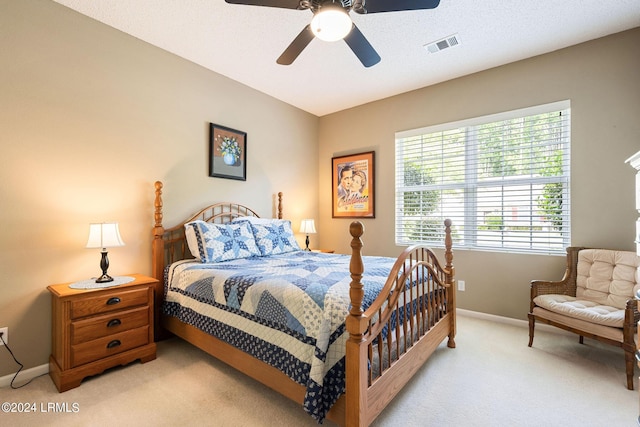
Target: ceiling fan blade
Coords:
[[376, 6], [361, 47], [296, 47], [284, 4]]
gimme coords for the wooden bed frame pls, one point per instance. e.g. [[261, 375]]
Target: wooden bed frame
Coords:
[[369, 386]]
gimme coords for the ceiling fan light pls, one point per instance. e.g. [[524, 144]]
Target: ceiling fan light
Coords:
[[331, 24]]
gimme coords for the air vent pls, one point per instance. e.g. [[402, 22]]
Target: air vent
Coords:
[[445, 43]]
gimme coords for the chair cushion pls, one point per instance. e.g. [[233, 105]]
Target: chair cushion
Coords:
[[606, 277], [615, 334], [585, 310]]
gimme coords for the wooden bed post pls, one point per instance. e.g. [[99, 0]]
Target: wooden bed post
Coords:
[[280, 205], [356, 267], [158, 231], [448, 256], [356, 323], [157, 262]]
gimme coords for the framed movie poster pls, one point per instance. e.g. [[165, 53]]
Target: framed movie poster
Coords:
[[227, 153], [353, 186]]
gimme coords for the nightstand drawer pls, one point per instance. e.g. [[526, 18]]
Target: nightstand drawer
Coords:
[[108, 324], [108, 346], [108, 301]]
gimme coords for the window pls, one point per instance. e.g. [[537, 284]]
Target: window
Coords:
[[503, 180]]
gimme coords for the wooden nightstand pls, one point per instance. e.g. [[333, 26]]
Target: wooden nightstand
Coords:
[[97, 329], [324, 251]]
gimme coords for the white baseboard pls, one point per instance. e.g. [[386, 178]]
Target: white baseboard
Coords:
[[492, 317], [24, 376], [512, 321]]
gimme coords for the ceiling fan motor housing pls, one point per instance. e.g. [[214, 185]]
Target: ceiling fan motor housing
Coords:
[[331, 22]]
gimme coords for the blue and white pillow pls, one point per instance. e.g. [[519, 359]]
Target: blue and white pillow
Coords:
[[275, 237], [221, 242], [255, 220]]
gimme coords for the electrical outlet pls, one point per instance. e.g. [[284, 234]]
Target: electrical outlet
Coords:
[[4, 332], [461, 285]]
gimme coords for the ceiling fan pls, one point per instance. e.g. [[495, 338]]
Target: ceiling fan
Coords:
[[331, 22]]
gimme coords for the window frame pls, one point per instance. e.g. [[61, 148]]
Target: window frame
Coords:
[[466, 234]]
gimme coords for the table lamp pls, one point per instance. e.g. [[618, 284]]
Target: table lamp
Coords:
[[307, 226], [104, 235]]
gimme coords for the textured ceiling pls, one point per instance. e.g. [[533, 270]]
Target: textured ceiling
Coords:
[[243, 42]]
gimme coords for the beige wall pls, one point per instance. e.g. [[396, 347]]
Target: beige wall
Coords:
[[601, 80], [89, 119]]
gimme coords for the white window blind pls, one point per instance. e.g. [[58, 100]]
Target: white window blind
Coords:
[[503, 180]]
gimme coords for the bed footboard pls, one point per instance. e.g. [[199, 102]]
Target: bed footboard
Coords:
[[392, 339]]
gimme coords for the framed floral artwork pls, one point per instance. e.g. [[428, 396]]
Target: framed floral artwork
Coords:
[[353, 186], [227, 153]]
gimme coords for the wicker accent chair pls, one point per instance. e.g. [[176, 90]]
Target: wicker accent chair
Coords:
[[594, 299]]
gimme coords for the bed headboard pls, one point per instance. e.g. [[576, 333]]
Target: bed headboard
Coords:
[[170, 244]]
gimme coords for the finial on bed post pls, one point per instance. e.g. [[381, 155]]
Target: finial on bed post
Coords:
[[356, 288], [448, 254], [158, 204], [280, 205]]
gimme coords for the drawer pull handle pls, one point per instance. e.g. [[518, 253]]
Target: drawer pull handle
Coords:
[[114, 344], [113, 322], [113, 301], [638, 355]]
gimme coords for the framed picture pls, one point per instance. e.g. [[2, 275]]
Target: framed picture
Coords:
[[227, 153], [353, 186]]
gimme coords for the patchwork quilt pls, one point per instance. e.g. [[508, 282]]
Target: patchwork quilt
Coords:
[[287, 310]]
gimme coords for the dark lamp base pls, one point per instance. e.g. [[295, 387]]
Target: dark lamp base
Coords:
[[104, 278], [104, 266]]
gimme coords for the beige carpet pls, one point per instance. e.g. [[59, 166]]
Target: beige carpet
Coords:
[[491, 379]]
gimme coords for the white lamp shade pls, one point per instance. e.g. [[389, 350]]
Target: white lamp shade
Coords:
[[331, 23], [104, 235], [307, 226]]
